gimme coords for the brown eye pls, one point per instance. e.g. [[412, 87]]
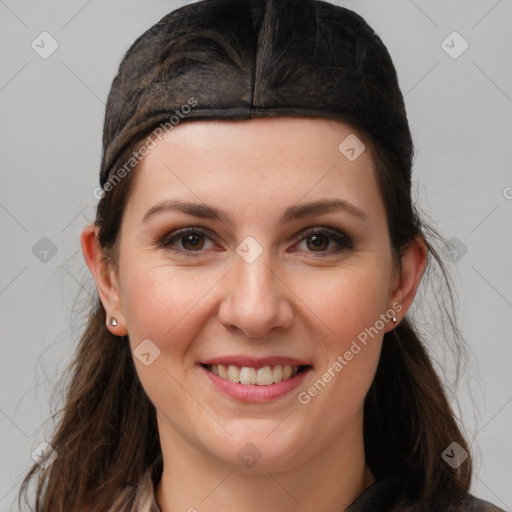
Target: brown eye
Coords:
[[188, 240], [192, 241], [319, 240]]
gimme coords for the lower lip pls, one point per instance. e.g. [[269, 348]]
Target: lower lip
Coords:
[[254, 393]]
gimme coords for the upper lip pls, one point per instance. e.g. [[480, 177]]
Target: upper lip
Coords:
[[255, 362]]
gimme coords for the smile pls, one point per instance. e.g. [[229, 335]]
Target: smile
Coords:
[[264, 376]]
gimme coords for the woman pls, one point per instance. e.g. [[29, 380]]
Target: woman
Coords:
[[249, 349]]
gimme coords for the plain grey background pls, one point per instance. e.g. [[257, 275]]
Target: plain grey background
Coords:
[[51, 110]]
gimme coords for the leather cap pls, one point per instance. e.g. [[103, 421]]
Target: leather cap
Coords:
[[243, 59]]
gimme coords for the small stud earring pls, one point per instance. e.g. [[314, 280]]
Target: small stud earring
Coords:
[[394, 319], [113, 321]]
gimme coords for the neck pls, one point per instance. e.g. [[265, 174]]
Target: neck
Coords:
[[330, 481]]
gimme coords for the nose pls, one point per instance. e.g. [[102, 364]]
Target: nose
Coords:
[[256, 300]]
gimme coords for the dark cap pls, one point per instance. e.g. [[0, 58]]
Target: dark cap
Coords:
[[243, 59]]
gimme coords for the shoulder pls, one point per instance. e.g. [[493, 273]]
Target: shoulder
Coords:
[[393, 494], [471, 503], [466, 503]]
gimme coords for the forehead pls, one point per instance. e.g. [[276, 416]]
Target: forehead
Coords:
[[259, 162]]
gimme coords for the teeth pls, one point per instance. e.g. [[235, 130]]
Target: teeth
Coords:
[[247, 375], [259, 376], [264, 376], [223, 371], [233, 373]]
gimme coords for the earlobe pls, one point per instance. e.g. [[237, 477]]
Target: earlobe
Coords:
[[105, 278], [413, 265]]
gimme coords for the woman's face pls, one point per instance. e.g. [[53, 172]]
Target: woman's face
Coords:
[[267, 282]]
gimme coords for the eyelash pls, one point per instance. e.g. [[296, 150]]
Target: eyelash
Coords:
[[340, 238]]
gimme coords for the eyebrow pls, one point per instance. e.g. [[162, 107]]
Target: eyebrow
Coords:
[[295, 212]]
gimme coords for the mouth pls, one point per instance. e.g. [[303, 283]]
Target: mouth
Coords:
[[267, 375]]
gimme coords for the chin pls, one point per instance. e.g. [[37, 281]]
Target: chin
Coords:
[[254, 451]]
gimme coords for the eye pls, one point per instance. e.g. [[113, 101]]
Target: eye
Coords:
[[191, 240], [318, 240]]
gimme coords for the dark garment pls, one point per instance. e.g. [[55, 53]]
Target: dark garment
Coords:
[[382, 496], [388, 495]]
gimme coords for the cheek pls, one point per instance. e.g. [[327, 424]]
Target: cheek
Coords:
[[347, 300], [351, 305], [165, 306], [162, 304]]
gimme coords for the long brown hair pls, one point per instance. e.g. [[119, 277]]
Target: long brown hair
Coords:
[[106, 434]]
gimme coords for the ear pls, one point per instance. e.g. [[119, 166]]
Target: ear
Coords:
[[413, 261], [106, 279]]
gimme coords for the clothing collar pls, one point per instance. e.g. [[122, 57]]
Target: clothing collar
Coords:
[[380, 496]]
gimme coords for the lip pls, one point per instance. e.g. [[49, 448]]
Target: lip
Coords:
[[256, 362], [252, 392]]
